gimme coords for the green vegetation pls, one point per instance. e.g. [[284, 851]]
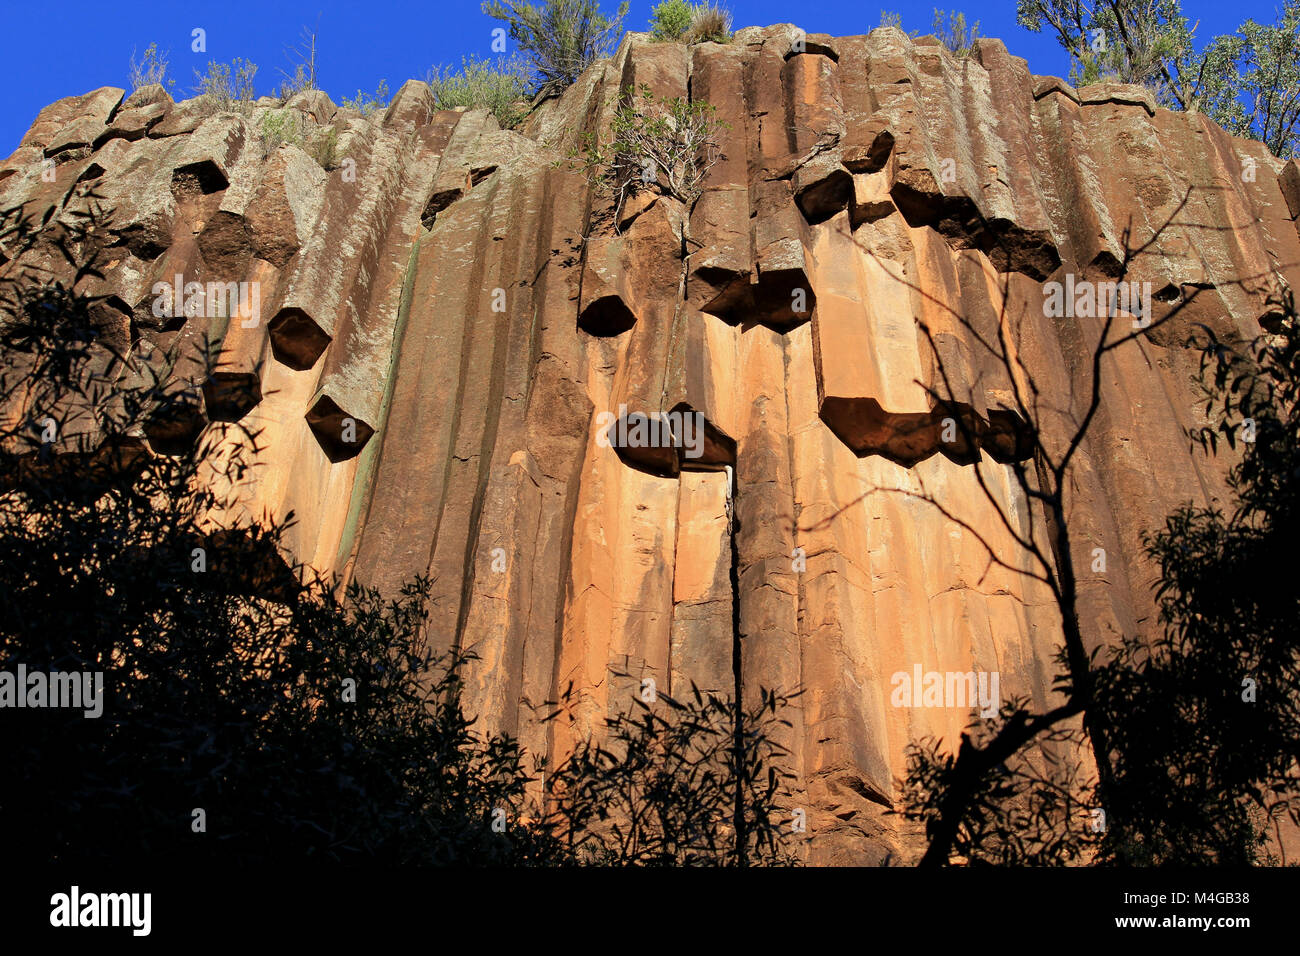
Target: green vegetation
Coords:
[[150, 70], [681, 22], [666, 144], [710, 23], [365, 103], [956, 34], [501, 87], [670, 20], [1247, 81], [559, 38], [279, 127], [285, 126], [224, 90], [323, 146]]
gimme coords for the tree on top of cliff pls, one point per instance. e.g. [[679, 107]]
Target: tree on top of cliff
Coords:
[[561, 38], [1248, 82], [957, 35]]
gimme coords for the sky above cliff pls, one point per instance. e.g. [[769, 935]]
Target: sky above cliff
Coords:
[[74, 47]]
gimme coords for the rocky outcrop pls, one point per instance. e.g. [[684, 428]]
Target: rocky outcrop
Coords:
[[456, 339]]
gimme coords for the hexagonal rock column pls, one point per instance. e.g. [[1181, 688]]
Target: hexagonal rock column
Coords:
[[285, 206], [782, 294], [720, 250], [340, 435], [603, 308], [322, 277], [174, 429], [297, 339], [661, 398]]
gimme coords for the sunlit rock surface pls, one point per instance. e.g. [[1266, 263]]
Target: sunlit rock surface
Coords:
[[450, 315]]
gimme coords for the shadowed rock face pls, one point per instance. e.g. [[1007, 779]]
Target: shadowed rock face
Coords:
[[471, 309], [296, 339]]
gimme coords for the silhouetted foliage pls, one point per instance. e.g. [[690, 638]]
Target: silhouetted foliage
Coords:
[[1029, 809], [1197, 727], [1207, 719], [653, 789], [216, 696], [305, 720]]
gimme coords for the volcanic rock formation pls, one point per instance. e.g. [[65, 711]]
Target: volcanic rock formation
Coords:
[[447, 313]]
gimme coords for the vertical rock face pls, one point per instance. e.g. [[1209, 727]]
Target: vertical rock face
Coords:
[[455, 338]]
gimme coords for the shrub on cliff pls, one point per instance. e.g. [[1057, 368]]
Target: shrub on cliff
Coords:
[[560, 38], [279, 127], [670, 20], [225, 90], [1202, 722], [368, 104], [955, 33], [662, 143], [710, 23], [679, 21], [892, 20], [150, 70], [501, 87], [323, 146]]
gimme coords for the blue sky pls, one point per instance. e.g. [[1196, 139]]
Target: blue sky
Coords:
[[71, 47]]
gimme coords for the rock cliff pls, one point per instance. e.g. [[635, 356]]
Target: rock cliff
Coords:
[[447, 317]]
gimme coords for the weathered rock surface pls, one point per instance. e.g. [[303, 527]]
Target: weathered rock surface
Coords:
[[450, 322]]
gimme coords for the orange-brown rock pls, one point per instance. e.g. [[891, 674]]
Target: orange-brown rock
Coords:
[[451, 321]]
